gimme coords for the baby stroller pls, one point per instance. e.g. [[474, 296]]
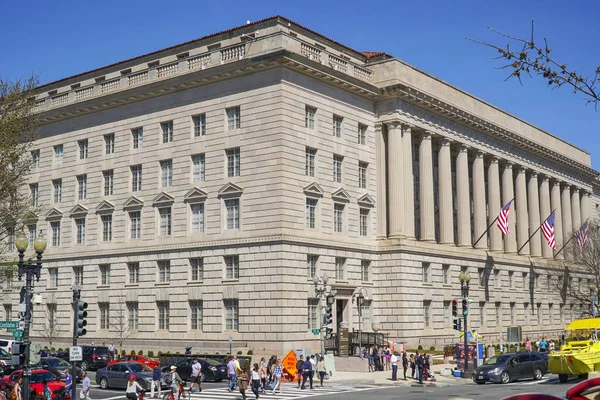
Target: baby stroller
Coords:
[[428, 375]]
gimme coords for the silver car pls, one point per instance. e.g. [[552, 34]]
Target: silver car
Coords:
[[117, 375]]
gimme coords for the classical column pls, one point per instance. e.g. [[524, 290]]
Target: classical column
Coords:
[[479, 204], [586, 206], [494, 205], [445, 193], [545, 211], [508, 194], [462, 197], [381, 182], [521, 204], [408, 183], [566, 215], [534, 215], [426, 202], [395, 183], [555, 204], [576, 209]]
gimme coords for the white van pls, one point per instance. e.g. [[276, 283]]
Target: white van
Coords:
[[6, 345]]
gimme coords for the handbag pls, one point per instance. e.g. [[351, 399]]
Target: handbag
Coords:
[[326, 376]]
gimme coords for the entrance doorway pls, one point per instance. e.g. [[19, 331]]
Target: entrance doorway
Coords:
[[340, 308]]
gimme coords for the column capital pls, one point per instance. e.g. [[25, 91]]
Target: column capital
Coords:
[[426, 135], [393, 124], [463, 148], [575, 189], [534, 174], [544, 178], [521, 169], [494, 159], [444, 141], [378, 125], [407, 128], [565, 185], [479, 153]]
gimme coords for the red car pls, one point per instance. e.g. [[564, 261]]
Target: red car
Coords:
[[35, 382], [135, 358]]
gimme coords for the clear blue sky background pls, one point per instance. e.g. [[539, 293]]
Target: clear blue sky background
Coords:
[[55, 39]]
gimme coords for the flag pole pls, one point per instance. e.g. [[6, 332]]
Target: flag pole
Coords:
[[564, 245], [490, 226], [533, 234]]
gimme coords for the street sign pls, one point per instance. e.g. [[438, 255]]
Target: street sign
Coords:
[[17, 334], [75, 353], [9, 324], [11, 330], [316, 331]]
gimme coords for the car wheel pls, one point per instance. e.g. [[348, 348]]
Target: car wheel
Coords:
[[537, 374], [202, 377], [104, 383], [505, 377], [84, 365], [563, 378]]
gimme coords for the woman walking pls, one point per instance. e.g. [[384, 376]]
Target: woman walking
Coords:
[[17, 393], [321, 371], [243, 378], [404, 363], [255, 379], [411, 361], [277, 372], [263, 375]]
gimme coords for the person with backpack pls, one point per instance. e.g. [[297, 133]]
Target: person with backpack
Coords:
[[299, 365], [243, 377]]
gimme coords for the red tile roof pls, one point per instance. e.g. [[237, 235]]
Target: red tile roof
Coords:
[[372, 54]]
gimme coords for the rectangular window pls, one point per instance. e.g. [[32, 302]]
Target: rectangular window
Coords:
[[498, 307], [539, 313], [59, 154], [165, 221], [513, 313], [337, 126], [163, 314], [338, 217], [52, 277], [362, 134], [311, 265], [135, 223], [104, 274], [57, 184], [511, 279], [482, 316], [196, 312], [55, 227], [106, 228], [309, 168], [137, 135], [81, 187], [313, 314], [427, 313], [164, 270], [136, 178], [365, 266], [109, 143], [233, 118], [197, 210], [133, 315], [166, 173], [309, 117], [445, 274], [337, 168], [232, 267], [35, 194], [233, 162], [197, 269], [199, 125], [340, 268], [78, 276], [8, 312], [233, 213], [362, 174], [134, 272], [83, 149], [426, 272], [32, 234], [167, 131], [232, 314], [108, 182], [550, 313], [481, 276], [198, 168], [497, 279], [80, 230], [35, 159], [364, 222], [311, 208]]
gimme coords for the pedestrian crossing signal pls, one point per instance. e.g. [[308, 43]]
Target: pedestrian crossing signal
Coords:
[[456, 324]]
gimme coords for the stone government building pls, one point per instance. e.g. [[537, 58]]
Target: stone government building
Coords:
[[198, 189]]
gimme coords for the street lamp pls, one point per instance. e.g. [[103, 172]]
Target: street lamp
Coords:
[[320, 290], [592, 288], [29, 269], [465, 278], [360, 301]]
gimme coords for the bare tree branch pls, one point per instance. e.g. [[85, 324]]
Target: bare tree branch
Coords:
[[120, 324]]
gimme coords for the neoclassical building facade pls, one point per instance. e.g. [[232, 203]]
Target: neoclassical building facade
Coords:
[[194, 193]]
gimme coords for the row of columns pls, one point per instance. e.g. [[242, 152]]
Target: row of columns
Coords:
[[535, 197]]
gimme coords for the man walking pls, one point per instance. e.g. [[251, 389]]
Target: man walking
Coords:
[[394, 361], [419, 362], [85, 386], [231, 373], [196, 376], [299, 365], [156, 381], [111, 349], [307, 373]]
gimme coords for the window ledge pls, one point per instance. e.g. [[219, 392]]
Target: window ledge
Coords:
[[194, 283], [448, 285], [235, 280], [342, 281], [428, 284], [367, 283], [52, 288], [162, 283], [103, 287], [132, 284]]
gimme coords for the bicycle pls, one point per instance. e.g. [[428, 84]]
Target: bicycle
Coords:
[[170, 395]]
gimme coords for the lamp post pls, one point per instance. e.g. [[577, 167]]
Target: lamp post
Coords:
[[320, 290], [29, 269], [360, 301], [465, 278], [592, 288]]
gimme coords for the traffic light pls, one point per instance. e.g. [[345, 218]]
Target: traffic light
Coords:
[[18, 353], [454, 308], [81, 315], [457, 324], [465, 305], [328, 321]]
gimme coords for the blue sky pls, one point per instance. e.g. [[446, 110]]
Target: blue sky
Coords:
[[62, 38]]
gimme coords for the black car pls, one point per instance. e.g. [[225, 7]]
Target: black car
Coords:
[[505, 368], [58, 367], [94, 357], [211, 369]]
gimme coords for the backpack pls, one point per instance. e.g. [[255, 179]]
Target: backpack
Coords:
[[169, 379], [299, 364]]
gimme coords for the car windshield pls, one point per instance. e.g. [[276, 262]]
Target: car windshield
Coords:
[[140, 368], [101, 350], [496, 360], [57, 363], [4, 353], [42, 376], [210, 361]]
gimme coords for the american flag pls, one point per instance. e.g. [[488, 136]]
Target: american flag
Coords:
[[581, 234], [503, 218], [548, 231]]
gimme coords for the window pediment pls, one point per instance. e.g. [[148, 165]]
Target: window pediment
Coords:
[[31, 218], [54, 214], [78, 211], [195, 195], [366, 201], [230, 190], [313, 190], [105, 207], [341, 196], [133, 203], [163, 199]]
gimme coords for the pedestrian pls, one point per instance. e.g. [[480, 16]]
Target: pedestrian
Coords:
[[543, 345], [307, 373], [527, 344], [376, 359], [69, 383], [313, 363], [85, 386], [299, 365], [255, 379], [17, 391], [196, 377], [551, 346], [394, 361], [263, 375], [277, 373], [47, 391], [411, 361], [321, 369], [133, 388], [156, 381], [111, 349], [404, 363], [370, 361], [176, 382], [231, 373], [243, 377], [420, 364]]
